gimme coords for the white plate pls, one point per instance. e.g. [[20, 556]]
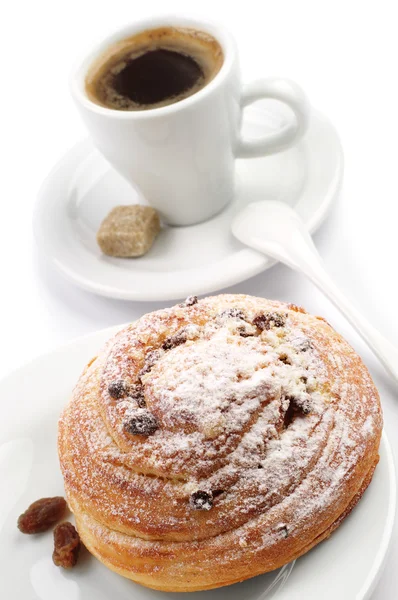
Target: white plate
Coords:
[[345, 567], [82, 188]]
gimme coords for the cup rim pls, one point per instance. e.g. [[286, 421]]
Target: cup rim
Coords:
[[79, 72]]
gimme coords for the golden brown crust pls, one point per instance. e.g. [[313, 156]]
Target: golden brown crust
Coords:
[[261, 405]]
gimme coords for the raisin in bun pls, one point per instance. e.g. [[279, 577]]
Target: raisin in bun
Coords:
[[217, 440]]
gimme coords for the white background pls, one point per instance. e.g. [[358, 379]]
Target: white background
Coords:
[[345, 55]]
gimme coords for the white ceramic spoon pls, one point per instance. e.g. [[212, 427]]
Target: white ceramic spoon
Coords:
[[276, 230]]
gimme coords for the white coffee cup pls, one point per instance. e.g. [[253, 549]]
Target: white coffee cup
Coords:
[[181, 156]]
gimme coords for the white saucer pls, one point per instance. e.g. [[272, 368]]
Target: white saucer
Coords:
[[82, 188], [346, 566]]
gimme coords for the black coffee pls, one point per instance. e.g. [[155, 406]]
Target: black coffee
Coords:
[[154, 68], [156, 76]]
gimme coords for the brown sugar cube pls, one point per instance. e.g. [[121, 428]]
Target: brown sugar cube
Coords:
[[128, 231]]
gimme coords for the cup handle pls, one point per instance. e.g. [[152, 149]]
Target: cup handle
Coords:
[[289, 93]]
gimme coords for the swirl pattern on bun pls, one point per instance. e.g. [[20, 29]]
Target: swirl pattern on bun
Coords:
[[216, 440]]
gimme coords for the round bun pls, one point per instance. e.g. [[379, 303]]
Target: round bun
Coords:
[[217, 440]]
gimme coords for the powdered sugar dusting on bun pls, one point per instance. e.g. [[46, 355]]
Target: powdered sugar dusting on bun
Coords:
[[251, 408]]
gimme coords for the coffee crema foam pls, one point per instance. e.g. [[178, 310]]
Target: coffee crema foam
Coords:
[[154, 68]]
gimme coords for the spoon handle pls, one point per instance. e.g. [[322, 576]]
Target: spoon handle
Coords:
[[301, 255]]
